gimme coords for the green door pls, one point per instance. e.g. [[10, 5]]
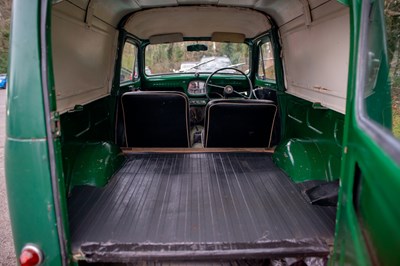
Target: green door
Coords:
[[367, 231]]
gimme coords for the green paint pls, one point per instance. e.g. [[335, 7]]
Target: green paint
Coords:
[[29, 197], [27, 165], [344, 2], [316, 144], [91, 163], [309, 159], [25, 93], [91, 122], [180, 82], [311, 146], [89, 157], [367, 228]]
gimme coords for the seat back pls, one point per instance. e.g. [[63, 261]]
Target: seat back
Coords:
[[239, 123], [156, 119]]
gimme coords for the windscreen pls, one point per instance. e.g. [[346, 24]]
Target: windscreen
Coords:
[[191, 57]]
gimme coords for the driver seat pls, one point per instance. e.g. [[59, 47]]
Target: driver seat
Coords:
[[239, 123]]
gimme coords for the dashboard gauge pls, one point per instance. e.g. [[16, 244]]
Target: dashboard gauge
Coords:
[[196, 87]]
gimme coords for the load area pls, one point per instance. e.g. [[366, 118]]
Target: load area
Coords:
[[195, 140], [198, 206]]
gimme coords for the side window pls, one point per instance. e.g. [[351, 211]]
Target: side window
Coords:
[[129, 63], [266, 66], [392, 11], [381, 97]]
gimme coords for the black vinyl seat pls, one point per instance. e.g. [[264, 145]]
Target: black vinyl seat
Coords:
[[156, 119], [241, 123]]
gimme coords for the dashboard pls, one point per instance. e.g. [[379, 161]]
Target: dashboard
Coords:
[[194, 85]]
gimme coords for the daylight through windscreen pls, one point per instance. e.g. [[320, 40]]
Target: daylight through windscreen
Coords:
[[190, 57]]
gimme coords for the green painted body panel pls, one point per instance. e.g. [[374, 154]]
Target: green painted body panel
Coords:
[[309, 159], [91, 122], [316, 144], [63, 196], [25, 117], [304, 120], [372, 231], [311, 144], [30, 198], [89, 155], [90, 163], [27, 165], [368, 214]]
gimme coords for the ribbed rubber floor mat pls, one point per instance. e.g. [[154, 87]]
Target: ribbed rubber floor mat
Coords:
[[208, 205]]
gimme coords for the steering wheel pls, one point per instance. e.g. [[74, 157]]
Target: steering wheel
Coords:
[[228, 89]]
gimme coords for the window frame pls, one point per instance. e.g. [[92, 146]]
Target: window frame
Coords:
[[147, 43], [266, 39], [135, 68]]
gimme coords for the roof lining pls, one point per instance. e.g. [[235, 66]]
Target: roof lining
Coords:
[[189, 21]]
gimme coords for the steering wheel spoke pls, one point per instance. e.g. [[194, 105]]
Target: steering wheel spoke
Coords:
[[216, 86], [228, 89]]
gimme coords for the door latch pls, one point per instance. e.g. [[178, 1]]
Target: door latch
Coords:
[[55, 124]]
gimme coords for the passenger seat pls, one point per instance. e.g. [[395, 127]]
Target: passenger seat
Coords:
[[239, 123]]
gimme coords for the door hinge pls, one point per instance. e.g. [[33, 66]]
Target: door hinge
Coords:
[[55, 124]]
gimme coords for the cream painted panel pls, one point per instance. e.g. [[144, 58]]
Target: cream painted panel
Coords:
[[191, 22], [316, 57], [281, 11], [112, 11], [81, 3], [83, 57]]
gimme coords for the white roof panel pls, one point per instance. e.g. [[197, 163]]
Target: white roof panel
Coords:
[[191, 22]]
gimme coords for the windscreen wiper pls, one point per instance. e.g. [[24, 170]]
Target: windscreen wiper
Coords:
[[199, 64], [236, 65]]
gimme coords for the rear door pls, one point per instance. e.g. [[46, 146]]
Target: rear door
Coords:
[[369, 214]]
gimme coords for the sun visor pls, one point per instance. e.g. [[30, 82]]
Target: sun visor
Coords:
[[228, 37], [166, 38]]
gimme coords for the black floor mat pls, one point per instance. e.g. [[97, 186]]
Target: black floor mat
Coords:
[[207, 204]]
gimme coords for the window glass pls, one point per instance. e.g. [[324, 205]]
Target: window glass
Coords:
[[392, 11], [192, 57], [381, 95], [129, 63], [266, 66]]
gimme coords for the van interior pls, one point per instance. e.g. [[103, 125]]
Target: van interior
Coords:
[[198, 131]]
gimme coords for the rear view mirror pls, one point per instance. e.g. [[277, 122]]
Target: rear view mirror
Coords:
[[196, 48]]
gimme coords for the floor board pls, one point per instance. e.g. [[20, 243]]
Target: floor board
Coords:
[[197, 204]]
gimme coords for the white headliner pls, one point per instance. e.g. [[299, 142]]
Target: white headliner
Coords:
[[112, 11], [191, 22]]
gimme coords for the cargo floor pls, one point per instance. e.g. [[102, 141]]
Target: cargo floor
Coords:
[[203, 205]]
